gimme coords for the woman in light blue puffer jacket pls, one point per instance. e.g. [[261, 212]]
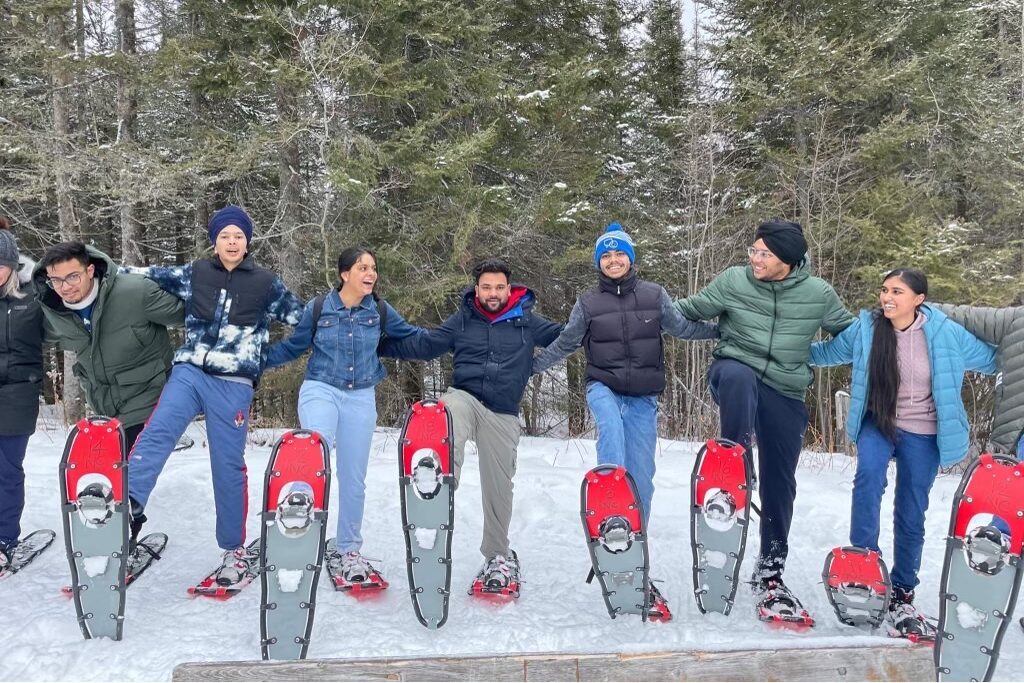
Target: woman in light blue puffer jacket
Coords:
[[909, 362]]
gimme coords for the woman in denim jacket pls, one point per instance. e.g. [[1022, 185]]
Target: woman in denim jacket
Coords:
[[338, 396]]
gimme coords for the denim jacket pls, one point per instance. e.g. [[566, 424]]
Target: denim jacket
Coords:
[[345, 342]]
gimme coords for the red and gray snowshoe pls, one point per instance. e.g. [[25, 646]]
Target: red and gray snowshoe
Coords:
[[427, 487], [296, 489], [720, 490], [857, 585], [981, 574], [779, 607], [365, 584], [498, 578], [94, 502], [617, 541], [218, 585]]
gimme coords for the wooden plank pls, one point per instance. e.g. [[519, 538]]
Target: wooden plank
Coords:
[[883, 663]]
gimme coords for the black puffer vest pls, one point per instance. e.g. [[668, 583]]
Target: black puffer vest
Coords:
[[623, 338]]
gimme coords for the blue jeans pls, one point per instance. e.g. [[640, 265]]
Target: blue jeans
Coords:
[[917, 463], [998, 522], [188, 392], [352, 415], [627, 435], [12, 487]]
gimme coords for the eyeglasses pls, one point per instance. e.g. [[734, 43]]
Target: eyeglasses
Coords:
[[73, 280], [759, 253]]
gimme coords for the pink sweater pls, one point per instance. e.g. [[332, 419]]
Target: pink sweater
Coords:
[[915, 408]]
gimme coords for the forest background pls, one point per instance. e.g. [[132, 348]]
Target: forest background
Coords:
[[441, 132]]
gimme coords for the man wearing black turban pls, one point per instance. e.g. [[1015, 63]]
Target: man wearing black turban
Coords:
[[768, 313]]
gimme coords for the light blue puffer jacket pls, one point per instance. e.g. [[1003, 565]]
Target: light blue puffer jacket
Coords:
[[952, 350]]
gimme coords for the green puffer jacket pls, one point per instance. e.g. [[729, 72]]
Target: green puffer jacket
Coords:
[[769, 326], [125, 361], [1004, 328]]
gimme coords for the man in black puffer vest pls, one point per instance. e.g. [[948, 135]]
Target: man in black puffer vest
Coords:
[[619, 324]]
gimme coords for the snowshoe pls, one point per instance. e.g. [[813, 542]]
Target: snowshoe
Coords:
[[237, 570], [658, 607], [981, 573], [94, 496], [780, 607], [904, 621], [13, 560], [721, 487], [614, 530], [499, 576], [353, 573], [296, 489], [857, 585], [427, 489]]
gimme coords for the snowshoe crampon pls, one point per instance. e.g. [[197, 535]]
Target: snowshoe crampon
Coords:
[[857, 585], [94, 503], [720, 489], [296, 489], [427, 488], [981, 574], [613, 524]]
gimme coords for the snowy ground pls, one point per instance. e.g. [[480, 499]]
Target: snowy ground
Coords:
[[556, 612]]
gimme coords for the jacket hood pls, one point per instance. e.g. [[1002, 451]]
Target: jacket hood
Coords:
[[105, 272]]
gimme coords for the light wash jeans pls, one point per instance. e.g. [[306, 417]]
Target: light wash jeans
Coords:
[[345, 420], [627, 435]]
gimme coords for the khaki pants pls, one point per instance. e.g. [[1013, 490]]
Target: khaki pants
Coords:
[[497, 437]]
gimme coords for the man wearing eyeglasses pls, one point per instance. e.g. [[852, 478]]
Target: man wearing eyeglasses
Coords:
[[768, 313], [117, 325]]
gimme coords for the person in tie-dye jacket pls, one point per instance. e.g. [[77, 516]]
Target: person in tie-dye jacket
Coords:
[[229, 304]]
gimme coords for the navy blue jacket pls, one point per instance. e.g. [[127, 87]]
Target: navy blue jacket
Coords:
[[491, 360]]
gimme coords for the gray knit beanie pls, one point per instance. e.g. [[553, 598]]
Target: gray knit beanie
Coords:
[[8, 250]]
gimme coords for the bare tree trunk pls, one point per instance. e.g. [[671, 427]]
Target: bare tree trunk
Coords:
[[60, 77], [127, 109], [289, 210]]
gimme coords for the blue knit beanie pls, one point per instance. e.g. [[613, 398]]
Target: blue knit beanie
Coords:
[[230, 215], [614, 239]]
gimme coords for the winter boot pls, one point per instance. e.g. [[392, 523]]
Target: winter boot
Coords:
[[138, 518], [777, 604], [904, 621], [238, 565]]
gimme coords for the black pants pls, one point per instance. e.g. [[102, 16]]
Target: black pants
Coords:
[[130, 435], [748, 407]]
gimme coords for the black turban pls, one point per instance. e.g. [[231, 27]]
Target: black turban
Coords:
[[784, 239]]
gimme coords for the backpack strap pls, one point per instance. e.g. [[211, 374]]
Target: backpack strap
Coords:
[[318, 308], [382, 308]]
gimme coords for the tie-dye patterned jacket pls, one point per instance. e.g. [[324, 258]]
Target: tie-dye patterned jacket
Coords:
[[227, 313]]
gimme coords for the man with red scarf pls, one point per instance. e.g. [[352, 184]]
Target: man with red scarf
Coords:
[[492, 337]]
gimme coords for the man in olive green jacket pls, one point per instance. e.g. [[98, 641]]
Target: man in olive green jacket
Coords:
[[768, 313], [117, 325]]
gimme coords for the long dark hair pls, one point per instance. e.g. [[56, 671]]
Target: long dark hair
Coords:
[[883, 366]]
